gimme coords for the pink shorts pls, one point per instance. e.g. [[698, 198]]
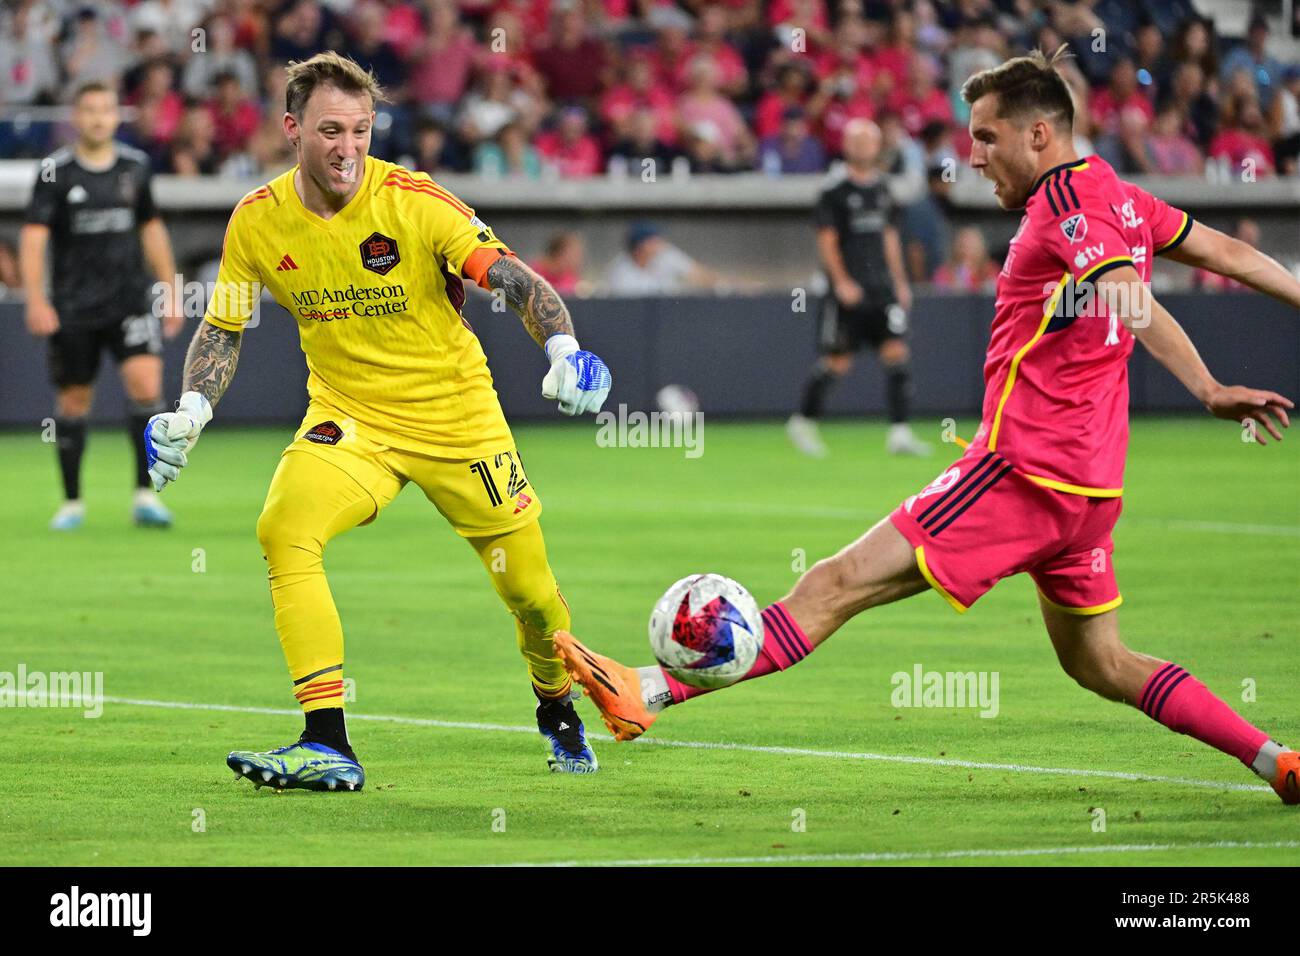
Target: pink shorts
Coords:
[[983, 520]]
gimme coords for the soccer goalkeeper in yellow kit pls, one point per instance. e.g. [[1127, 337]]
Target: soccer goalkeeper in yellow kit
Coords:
[[368, 258]]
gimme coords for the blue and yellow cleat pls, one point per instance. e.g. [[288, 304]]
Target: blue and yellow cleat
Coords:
[[148, 512], [565, 737], [300, 766]]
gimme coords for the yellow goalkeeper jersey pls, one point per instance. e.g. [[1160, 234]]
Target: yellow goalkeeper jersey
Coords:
[[377, 295]]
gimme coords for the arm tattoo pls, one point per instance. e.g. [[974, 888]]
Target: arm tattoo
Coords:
[[211, 360], [531, 297]]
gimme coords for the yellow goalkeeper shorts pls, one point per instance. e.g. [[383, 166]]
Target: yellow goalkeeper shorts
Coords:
[[478, 497]]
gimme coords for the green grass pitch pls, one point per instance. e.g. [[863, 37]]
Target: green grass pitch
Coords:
[[1207, 554]]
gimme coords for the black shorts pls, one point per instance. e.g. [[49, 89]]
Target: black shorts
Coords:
[[841, 330], [74, 351]]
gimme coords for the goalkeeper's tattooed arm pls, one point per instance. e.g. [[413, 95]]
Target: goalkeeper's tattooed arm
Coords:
[[211, 360], [531, 297]]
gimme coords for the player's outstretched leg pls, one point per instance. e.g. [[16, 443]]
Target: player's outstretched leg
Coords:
[[1091, 652], [878, 568], [516, 562], [309, 502]]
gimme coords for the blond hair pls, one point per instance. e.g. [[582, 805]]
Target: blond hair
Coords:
[[327, 69]]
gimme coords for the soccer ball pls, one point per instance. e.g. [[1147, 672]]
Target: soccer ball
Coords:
[[706, 631]]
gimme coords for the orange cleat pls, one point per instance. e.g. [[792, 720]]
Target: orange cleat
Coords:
[[613, 688], [1287, 781]]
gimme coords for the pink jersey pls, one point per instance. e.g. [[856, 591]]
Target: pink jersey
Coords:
[[1056, 385]]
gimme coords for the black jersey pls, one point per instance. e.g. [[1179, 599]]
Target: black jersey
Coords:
[[94, 219], [859, 214]]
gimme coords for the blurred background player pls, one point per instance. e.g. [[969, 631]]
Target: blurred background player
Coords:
[[869, 295], [92, 205]]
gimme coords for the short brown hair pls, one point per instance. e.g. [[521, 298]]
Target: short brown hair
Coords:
[[327, 69], [92, 86], [1027, 87]]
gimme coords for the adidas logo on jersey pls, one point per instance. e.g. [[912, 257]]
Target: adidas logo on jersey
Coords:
[[286, 264], [78, 194]]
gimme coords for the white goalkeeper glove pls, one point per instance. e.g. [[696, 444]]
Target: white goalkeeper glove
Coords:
[[579, 380], [169, 436]]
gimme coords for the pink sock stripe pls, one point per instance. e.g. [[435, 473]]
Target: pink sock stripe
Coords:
[[791, 643], [681, 692], [1158, 688]]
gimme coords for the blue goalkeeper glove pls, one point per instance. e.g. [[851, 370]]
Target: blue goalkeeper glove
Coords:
[[169, 437], [579, 380]]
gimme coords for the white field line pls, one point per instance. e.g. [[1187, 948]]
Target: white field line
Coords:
[[715, 745], [941, 855], [862, 517]]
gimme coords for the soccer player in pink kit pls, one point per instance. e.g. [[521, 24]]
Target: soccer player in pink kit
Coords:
[[1039, 488]]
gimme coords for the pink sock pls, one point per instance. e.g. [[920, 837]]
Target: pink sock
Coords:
[[784, 645], [1183, 704]]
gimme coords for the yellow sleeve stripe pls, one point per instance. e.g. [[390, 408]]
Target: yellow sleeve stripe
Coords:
[[1180, 234], [1082, 611], [1015, 362], [1076, 489], [930, 578], [1104, 266]]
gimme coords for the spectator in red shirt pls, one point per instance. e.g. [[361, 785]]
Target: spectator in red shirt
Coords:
[[158, 107], [569, 147], [921, 102], [711, 42], [506, 40], [895, 58], [441, 63], [714, 118], [561, 264], [640, 90], [846, 99], [969, 268], [671, 56], [572, 62], [810, 16], [235, 116], [793, 83], [1169, 150], [1121, 95], [1242, 142], [845, 53]]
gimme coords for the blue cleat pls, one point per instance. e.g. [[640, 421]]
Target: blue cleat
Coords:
[[300, 766], [148, 512], [566, 740], [70, 516]]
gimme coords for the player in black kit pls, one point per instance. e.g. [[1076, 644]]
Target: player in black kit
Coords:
[[869, 296], [93, 206]]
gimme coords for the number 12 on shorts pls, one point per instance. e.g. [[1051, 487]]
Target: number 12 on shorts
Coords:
[[515, 482]]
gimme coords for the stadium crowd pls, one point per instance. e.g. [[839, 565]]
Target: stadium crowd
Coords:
[[577, 87]]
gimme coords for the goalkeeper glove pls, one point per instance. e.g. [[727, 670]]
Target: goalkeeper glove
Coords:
[[579, 380], [169, 436]]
